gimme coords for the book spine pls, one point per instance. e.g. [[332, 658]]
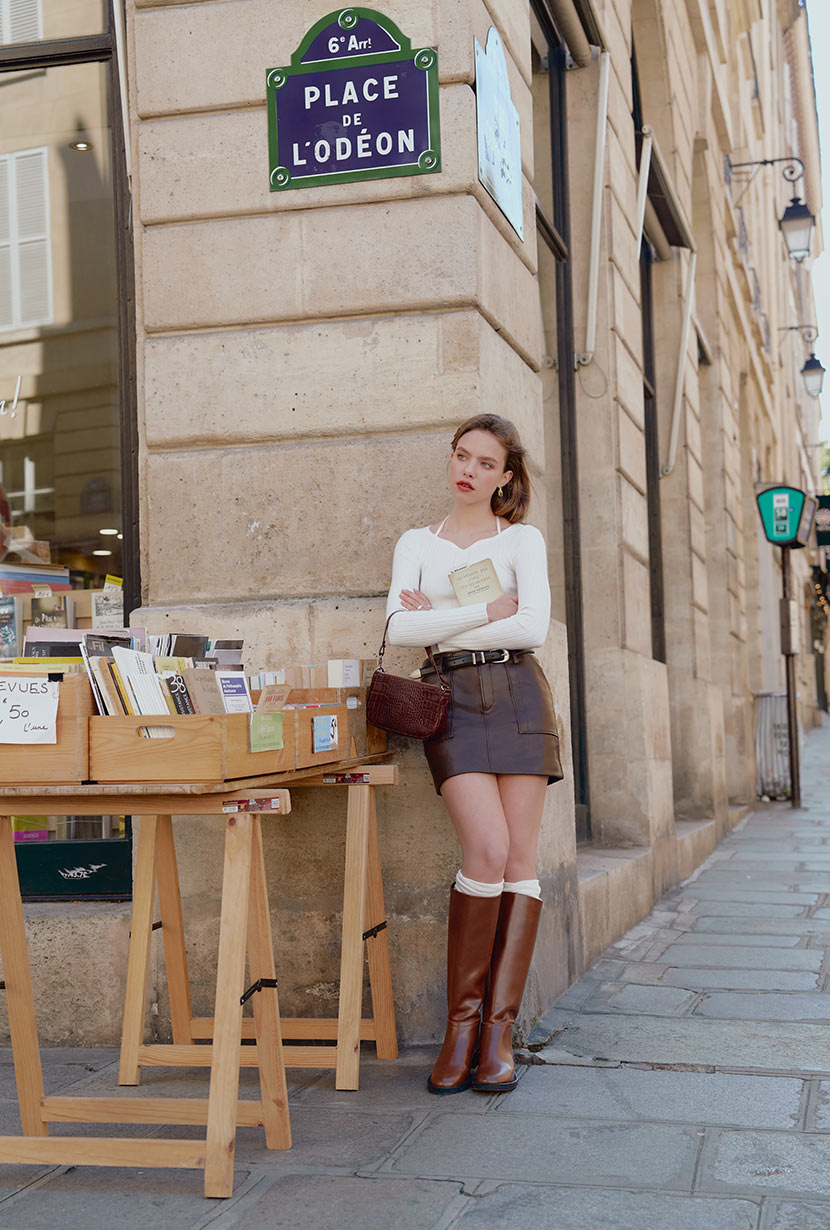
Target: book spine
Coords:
[[177, 689]]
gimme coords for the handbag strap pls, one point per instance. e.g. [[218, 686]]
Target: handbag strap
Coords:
[[428, 650]]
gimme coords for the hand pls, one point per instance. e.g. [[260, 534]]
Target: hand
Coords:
[[501, 608], [414, 600]]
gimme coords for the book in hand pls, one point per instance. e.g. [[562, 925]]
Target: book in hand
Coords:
[[476, 583]]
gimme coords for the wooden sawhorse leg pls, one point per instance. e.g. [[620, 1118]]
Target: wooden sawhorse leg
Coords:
[[138, 964], [155, 867], [20, 1000], [363, 921], [244, 923]]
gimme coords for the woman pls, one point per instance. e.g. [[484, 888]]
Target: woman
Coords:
[[499, 750]]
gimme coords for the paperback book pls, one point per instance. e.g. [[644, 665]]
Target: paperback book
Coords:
[[476, 583]]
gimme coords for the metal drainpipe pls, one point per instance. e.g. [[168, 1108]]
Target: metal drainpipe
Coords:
[[570, 27]]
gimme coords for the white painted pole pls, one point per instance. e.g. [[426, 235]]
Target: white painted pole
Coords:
[[680, 378], [642, 186], [596, 211]]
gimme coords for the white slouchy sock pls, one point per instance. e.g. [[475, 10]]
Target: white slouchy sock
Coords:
[[525, 888], [476, 888]]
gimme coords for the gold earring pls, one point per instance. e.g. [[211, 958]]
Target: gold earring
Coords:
[[501, 493]]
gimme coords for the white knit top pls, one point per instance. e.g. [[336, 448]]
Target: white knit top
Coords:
[[424, 561]]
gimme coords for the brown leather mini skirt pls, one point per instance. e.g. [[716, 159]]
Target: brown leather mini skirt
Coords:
[[500, 720]]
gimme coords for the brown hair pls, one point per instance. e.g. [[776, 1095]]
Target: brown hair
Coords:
[[515, 502]]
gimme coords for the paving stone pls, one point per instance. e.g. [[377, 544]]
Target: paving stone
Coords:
[[577, 994], [741, 909], [729, 935], [763, 881], [85, 1197], [330, 1137], [765, 1045], [14, 1178], [821, 1109], [747, 1162], [516, 1207], [57, 1077], [796, 1215], [761, 927], [732, 1005], [535, 1148], [742, 957], [748, 980], [628, 997], [339, 1202], [703, 979], [707, 892], [179, 1083], [634, 1094], [383, 1085]]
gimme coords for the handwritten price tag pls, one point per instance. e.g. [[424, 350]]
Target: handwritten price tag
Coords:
[[28, 710]]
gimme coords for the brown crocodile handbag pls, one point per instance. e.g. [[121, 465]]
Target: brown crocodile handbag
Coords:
[[407, 706]]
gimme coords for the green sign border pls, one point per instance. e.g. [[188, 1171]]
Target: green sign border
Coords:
[[426, 58], [799, 499]]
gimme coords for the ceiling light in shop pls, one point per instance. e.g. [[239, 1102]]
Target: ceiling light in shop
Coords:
[[109, 532], [102, 552]]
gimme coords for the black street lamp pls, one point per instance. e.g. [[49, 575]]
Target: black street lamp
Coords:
[[796, 224], [812, 372]]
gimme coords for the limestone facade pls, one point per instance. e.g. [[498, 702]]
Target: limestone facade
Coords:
[[303, 358]]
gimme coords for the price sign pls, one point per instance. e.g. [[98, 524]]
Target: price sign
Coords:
[[324, 733], [28, 710]]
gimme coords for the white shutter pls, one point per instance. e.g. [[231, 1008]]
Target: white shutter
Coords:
[[33, 259], [30, 173], [6, 305], [6, 300], [23, 21], [32, 202], [5, 221]]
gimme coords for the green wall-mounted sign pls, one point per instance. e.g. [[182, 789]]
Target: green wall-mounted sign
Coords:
[[786, 515], [356, 102]]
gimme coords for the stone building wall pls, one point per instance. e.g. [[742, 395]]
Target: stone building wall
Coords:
[[304, 356]]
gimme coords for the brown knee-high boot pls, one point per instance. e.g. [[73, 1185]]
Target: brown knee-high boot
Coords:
[[471, 928], [512, 951]]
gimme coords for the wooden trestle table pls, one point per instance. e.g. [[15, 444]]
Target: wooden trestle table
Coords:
[[245, 925]]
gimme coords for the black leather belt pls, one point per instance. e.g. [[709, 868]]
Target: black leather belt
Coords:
[[473, 657]]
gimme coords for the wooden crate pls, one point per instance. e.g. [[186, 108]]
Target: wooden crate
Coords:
[[305, 754], [363, 740], [202, 748], [62, 763]]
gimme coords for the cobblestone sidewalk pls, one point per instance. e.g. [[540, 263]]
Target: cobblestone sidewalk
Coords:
[[683, 1084]]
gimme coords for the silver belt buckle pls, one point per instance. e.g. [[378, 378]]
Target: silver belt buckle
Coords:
[[505, 656]]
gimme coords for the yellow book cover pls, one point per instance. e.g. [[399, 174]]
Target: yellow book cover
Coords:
[[476, 583], [123, 694]]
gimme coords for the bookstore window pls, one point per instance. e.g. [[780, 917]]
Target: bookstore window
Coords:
[[66, 418]]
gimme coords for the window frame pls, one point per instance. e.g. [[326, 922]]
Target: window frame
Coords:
[[38, 861], [556, 233]]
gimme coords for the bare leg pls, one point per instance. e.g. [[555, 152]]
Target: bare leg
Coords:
[[523, 800], [477, 813]]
